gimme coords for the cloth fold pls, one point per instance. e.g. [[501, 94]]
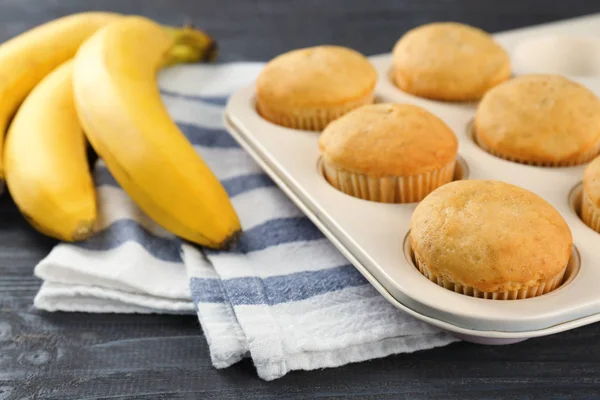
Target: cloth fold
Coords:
[[284, 296]]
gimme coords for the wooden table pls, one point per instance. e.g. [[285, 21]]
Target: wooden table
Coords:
[[80, 356]]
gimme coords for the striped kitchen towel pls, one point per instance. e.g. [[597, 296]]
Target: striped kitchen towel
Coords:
[[284, 296]]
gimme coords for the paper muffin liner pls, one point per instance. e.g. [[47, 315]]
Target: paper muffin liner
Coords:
[[524, 292], [392, 189], [590, 213], [583, 158], [310, 120]]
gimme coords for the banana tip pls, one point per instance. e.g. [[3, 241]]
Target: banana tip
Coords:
[[83, 231], [231, 241]]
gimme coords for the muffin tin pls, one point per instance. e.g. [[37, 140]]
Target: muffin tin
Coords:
[[374, 236]]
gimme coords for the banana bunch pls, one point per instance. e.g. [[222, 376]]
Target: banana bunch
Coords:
[[93, 75]]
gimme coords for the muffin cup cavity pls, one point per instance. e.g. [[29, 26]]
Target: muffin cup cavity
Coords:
[[575, 198], [394, 189], [582, 158], [309, 120], [575, 56], [461, 170]]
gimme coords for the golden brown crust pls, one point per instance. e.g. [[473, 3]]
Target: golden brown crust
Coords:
[[320, 82], [382, 140], [449, 61], [540, 119], [490, 235], [591, 181]]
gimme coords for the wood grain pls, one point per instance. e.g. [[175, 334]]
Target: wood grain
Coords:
[[80, 356]]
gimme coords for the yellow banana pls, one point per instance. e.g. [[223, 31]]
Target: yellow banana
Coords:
[[119, 106], [47, 172], [27, 58]]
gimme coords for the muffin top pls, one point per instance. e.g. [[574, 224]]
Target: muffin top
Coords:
[[388, 140], [319, 76], [490, 235], [591, 181], [449, 61], [539, 118]]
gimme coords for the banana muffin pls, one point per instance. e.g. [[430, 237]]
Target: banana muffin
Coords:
[[490, 239], [544, 120], [448, 61], [393, 153], [310, 87]]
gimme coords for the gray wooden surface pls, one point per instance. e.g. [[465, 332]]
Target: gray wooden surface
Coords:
[[79, 356]]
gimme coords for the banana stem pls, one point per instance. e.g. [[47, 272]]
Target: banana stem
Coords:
[[189, 45]]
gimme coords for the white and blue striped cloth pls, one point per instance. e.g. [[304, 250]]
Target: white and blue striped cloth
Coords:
[[284, 297]]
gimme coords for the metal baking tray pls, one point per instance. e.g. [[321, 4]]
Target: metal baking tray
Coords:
[[373, 236]]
